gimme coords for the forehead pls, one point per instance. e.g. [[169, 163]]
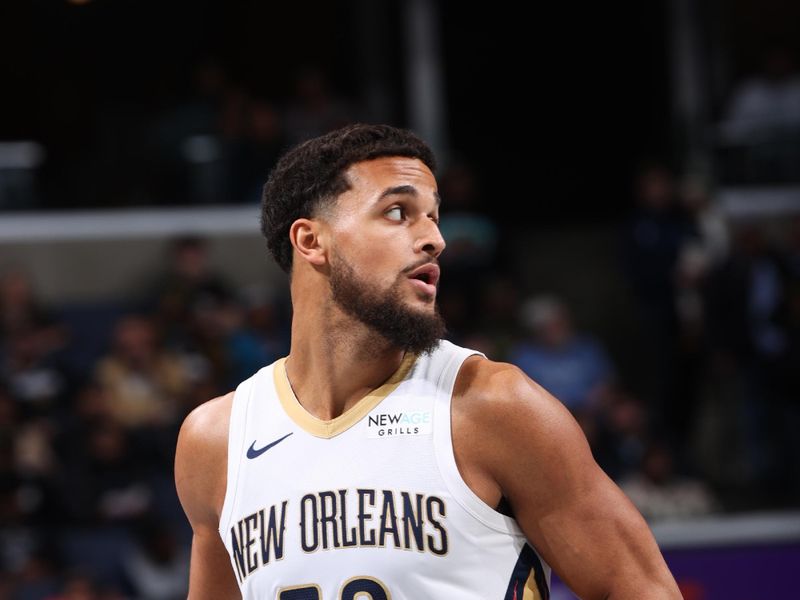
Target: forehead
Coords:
[[371, 177]]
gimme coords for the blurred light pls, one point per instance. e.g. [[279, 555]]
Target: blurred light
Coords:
[[22, 154], [201, 149]]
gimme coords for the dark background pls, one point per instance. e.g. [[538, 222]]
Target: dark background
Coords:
[[553, 106]]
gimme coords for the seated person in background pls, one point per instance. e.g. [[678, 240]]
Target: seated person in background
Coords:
[[574, 368], [660, 493], [144, 382]]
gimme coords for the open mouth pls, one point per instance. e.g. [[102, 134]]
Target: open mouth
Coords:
[[427, 276]]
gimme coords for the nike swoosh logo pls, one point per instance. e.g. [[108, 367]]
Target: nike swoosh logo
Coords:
[[253, 453]]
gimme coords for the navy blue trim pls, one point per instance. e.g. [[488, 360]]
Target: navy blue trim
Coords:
[[527, 560]]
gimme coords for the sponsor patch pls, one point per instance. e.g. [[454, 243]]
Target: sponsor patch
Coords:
[[399, 423]]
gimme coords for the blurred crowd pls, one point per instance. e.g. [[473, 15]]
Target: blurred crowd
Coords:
[[214, 143], [702, 418], [87, 431], [759, 135]]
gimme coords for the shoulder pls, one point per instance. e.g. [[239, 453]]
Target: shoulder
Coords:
[[209, 421], [512, 420], [201, 459], [498, 390]]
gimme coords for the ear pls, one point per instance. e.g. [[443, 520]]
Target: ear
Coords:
[[308, 237]]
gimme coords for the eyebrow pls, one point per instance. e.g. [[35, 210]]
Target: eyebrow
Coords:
[[406, 190]]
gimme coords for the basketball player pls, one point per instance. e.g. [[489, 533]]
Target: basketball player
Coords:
[[376, 461]]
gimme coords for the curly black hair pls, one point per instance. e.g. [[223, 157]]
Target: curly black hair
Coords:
[[312, 175]]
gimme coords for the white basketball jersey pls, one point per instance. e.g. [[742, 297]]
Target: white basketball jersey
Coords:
[[369, 505]]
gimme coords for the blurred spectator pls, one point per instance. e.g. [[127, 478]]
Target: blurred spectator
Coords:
[[33, 372], [106, 481], [469, 261], [749, 331], [188, 279], [217, 145], [218, 337], [188, 163], [38, 578], [618, 433], [17, 536], [652, 241], [80, 586], [703, 248], [157, 568], [144, 381], [660, 493], [767, 103], [471, 236], [710, 227], [494, 325], [253, 154], [19, 308], [456, 310], [573, 367], [30, 343], [759, 270], [77, 587], [763, 118], [29, 504], [267, 319], [314, 109]]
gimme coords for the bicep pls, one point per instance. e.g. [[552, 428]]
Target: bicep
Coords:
[[578, 519], [594, 539], [211, 575]]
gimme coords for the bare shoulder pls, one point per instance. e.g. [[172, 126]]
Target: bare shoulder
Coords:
[[209, 421], [201, 459], [500, 395], [504, 425]]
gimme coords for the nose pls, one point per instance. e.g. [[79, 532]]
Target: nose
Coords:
[[430, 239]]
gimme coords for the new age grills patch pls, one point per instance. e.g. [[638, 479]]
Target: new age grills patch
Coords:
[[400, 423]]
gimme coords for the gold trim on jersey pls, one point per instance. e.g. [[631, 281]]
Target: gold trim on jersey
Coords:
[[531, 591], [328, 429]]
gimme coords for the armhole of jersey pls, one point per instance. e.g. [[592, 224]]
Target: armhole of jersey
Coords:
[[445, 456], [236, 441]]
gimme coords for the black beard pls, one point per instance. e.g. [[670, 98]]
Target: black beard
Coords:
[[382, 311]]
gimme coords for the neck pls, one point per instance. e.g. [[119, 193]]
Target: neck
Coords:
[[335, 360]]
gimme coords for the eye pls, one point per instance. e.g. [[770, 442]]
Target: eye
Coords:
[[395, 213]]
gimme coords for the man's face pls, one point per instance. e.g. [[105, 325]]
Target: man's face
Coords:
[[385, 246]]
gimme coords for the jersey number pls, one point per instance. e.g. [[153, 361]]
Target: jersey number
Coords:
[[354, 587]]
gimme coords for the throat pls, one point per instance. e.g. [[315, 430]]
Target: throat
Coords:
[[330, 388]]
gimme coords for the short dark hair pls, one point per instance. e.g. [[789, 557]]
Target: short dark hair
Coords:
[[312, 175]]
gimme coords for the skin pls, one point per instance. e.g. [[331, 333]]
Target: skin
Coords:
[[511, 438]]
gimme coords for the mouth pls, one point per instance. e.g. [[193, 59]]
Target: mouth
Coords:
[[425, 278]]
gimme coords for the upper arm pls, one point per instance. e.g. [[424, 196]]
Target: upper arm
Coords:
[[200, 478], [576, 517]]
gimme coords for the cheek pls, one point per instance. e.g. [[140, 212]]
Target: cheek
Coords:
[[376, 265], [376, 249]]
